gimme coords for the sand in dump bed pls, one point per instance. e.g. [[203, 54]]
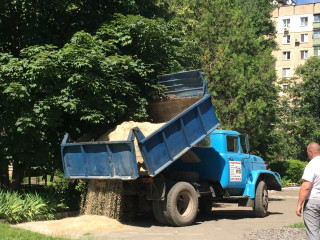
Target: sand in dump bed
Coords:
[[121, 132], [75, 226]]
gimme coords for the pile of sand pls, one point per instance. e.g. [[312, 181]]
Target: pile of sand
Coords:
[[76, 226]]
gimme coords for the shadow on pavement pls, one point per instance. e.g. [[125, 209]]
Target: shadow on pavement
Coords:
[[147, 221], [276, 199]]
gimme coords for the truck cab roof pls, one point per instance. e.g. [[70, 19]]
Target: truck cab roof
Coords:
[[225, 132]]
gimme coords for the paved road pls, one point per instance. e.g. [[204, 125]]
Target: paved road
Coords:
[[228, 221]]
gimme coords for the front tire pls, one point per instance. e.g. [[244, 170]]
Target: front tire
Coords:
[[182, 204], [260, 208]]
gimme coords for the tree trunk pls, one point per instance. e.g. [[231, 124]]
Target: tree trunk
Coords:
[[17, 175], [51, 177], [4, 177]]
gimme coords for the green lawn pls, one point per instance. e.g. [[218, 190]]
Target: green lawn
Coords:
[[10, 233], [297, 225]]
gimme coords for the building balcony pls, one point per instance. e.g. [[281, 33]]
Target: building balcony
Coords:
[[316, 42], [316, 25]]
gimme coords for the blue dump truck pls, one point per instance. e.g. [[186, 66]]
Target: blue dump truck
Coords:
[[189, 163]]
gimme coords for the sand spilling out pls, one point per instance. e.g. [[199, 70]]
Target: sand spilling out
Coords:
[[105, 197]]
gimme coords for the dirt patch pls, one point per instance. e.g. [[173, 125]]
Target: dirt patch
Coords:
[[75, 227]]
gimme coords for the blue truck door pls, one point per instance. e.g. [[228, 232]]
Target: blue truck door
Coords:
[[237, 169]]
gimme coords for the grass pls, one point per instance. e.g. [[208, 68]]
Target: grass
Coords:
[[297, 225], [11, 233]]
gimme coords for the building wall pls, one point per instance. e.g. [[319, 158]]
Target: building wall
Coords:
[[294, 30]]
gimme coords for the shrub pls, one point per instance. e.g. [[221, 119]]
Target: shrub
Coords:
[[291, 171], [294, 170], [11, 206], [69, 189], [21, 207]]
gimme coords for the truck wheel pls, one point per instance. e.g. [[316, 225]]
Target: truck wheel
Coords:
[[158, 208], [260, 208], [182, 204], [205, 206]]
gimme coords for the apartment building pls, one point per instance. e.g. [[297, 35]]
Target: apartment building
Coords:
[[298, 36]]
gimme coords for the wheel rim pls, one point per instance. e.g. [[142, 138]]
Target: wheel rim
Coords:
[[184, 204]]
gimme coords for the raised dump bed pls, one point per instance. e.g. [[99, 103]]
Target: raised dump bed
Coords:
[[117, 160], [176, 137], [183, 90]]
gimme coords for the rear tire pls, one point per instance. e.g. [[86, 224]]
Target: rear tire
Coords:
[[260, 208], [182, 204]]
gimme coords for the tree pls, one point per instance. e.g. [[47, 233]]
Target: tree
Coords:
[[26, 23], [301, 121], [233, 43], [92, 80]]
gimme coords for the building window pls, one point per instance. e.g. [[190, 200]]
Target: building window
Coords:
[[316, 33], [304, 38], [304, 54], [286, 56], [316, 51], [285, 72], [286, 39], [317, 17], [304, 21], [286, 23]]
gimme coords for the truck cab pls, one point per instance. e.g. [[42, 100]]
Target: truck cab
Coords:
[[221, 168], [228, 160]]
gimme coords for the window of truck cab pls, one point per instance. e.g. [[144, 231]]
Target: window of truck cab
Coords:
[[243, 144], [206, 142], [232, 144]]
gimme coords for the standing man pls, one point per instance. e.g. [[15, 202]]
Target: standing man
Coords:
[[310, 193]]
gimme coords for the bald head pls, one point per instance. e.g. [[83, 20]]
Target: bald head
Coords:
[[313, 150]]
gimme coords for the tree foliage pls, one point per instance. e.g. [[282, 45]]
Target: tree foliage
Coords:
[[67, 66], [26, 23], [93, 79], [301, 111]]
